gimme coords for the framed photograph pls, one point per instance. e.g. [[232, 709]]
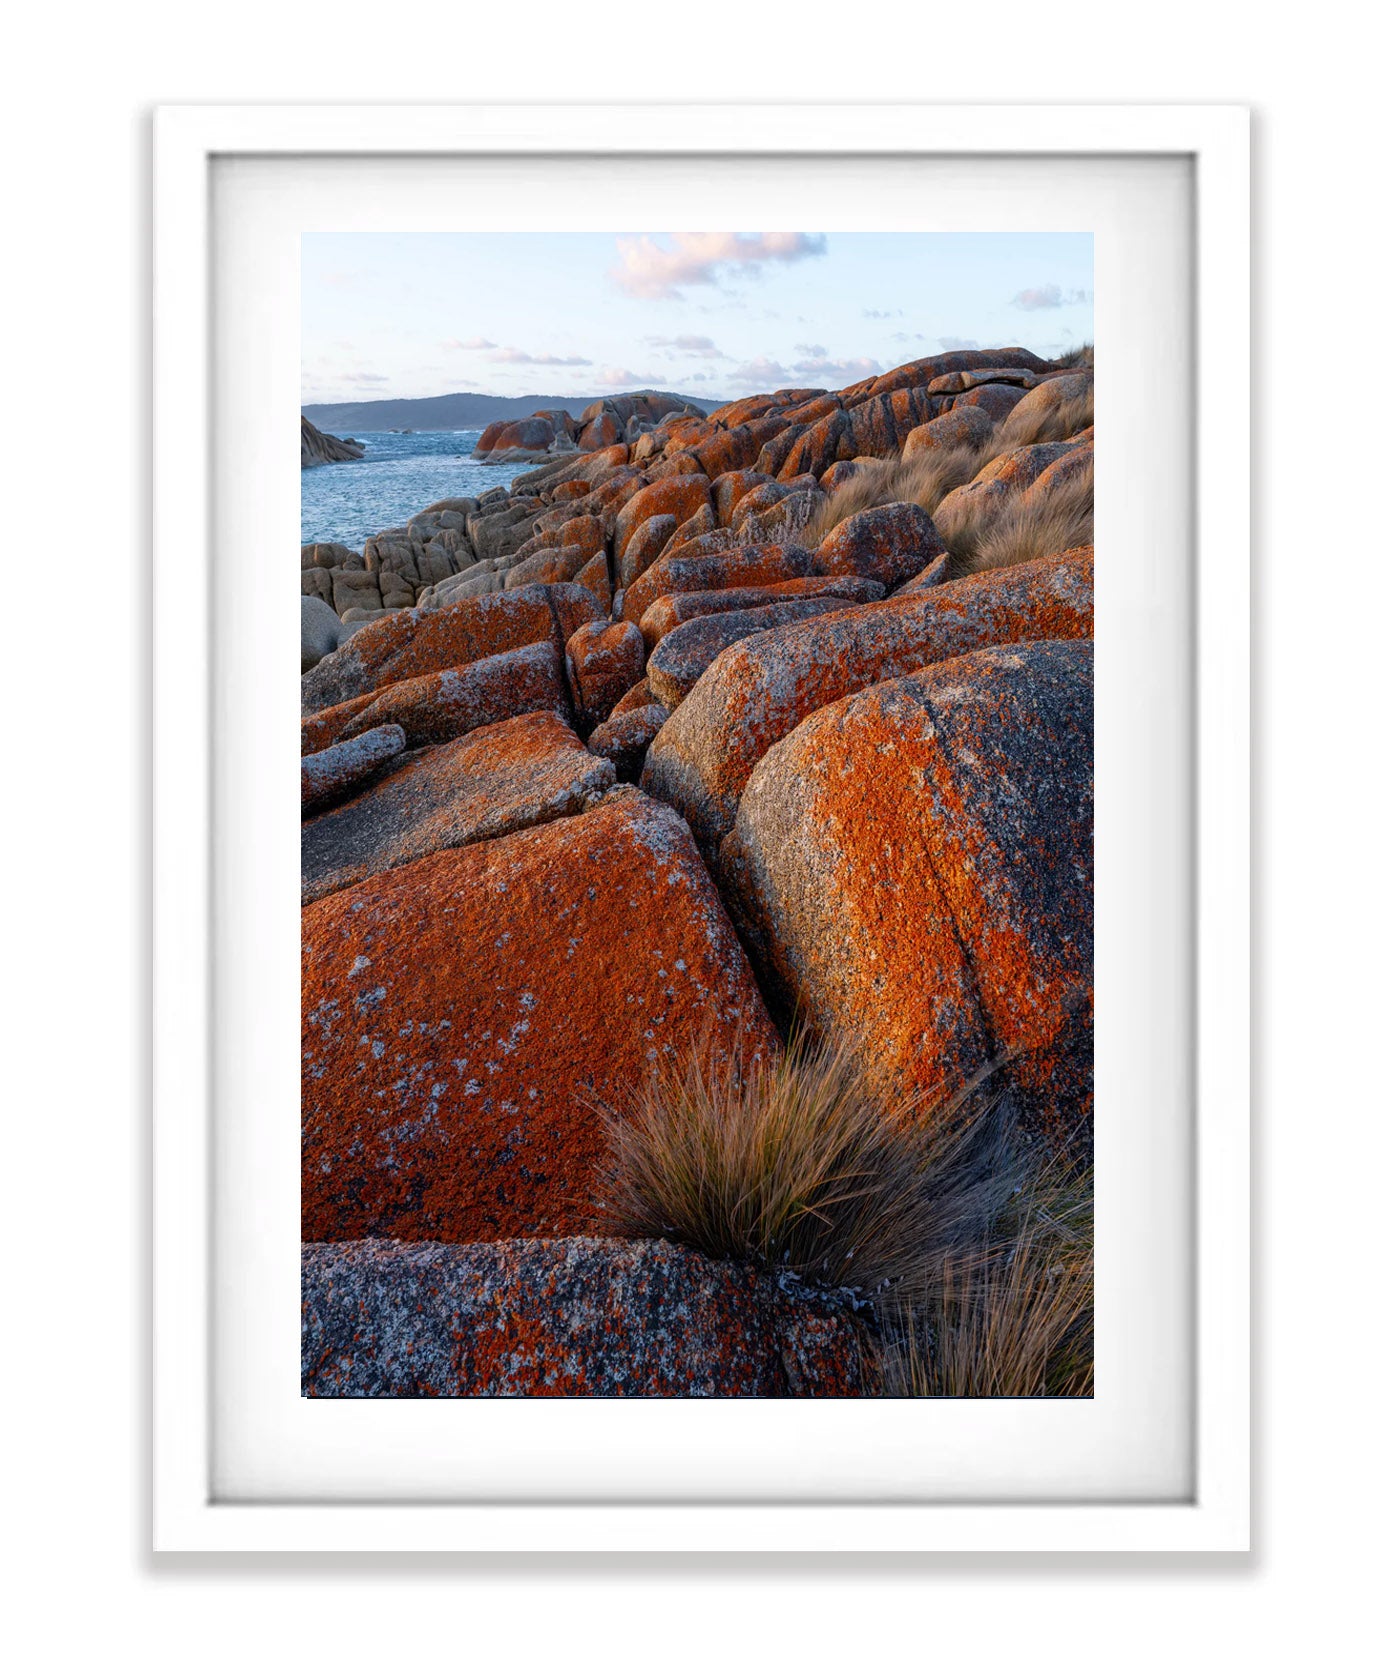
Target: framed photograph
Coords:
[[741, 1040]]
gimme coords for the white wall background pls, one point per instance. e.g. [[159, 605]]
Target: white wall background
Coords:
[[74, 412]]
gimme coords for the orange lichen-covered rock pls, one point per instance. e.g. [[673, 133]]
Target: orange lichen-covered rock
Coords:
[[684, 654], [915, 864], [929, 368], [582, 530], [700, 524], [731, 451], [759, 563], [819, 446], [959, 428], [954, 384], [596, 578], [324, 729], [517, 440], [411, 644], [547, 565], [584, 1317], [757, 692], [508, 776], [624, 737], [1074, 463], [889, 543], [680, 496], [643, 547], [600, 432], [638, 695], [463, 1014], [603, 661], [446, 704], [995, 401], [837, 474], [730, 488], [662, 616]]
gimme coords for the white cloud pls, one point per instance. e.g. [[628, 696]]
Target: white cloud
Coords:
[[367, 378], [759, 373], [848, 369], [958, 344], [1048, 297], [469, 344], [693, 344], [513, 355], [651, 270], [810, 349], [626, 377]]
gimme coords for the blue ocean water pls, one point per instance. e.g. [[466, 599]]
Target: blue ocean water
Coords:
[[401, 473]]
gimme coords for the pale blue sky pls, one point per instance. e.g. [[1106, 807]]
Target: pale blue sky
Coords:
[[416, 315]]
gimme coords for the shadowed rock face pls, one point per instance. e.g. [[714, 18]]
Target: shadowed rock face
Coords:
[[495, 781], [624, 737], [915, 866], [462, 1014], [318, 448], [756, 692], [662, 616], [563, 1318], [329, 775]]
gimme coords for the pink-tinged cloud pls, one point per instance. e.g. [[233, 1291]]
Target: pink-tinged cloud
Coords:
[[692, 344], [469, 344], [762, 372], [648, 269], [621, 376], [1048, 297], [511, 354]]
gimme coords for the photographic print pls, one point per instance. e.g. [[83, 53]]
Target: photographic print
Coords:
[[697, 815]]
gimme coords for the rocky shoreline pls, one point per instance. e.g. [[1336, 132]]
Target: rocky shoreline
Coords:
[[705, 727]]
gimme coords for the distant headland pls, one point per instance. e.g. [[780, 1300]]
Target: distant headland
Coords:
[[461, 411]]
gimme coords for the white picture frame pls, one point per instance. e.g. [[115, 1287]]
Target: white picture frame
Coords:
[[188, 1513]]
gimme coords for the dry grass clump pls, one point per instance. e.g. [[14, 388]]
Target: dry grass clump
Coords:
[[927, 477], [1081, 356], [1048, 425], [984, 534], [924, 479], [797, 1165], [970, 1256], [1013, 1317]]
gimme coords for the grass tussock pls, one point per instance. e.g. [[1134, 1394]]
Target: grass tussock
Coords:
[[1081, 356], [797, 1165], [969, 1255], [1026, 525], [1048, 425], [1013, 1316], [925, 479]]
